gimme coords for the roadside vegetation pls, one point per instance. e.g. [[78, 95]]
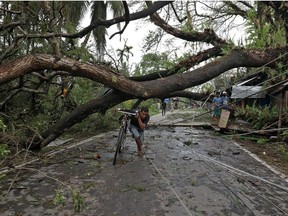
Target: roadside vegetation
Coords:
[[265, 122], [259, 117]]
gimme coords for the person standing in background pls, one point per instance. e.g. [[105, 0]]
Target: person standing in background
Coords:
[[163, 107], [216, 102], [224, 101]]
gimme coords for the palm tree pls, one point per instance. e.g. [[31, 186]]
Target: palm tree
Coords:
[[99, 11], [76, 10], [70, 15]]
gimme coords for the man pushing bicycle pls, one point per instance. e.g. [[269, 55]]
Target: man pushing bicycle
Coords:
[[137, 127]]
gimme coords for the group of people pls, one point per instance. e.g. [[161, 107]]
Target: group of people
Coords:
[[174, 102], [219, 102]]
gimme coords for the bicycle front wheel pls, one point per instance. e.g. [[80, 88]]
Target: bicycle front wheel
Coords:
[[119, 143]]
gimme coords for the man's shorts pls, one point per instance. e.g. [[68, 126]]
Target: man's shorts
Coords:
[[217, 112], [136, 132]]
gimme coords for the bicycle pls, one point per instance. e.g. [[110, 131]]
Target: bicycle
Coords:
[[124, 123]]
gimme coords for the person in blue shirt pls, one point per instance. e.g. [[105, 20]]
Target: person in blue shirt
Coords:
[[224, 101], [216, 102]]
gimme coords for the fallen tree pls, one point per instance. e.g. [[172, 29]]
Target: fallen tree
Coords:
[[170, 82]]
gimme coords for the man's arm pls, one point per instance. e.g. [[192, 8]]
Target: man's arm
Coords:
[[141, 124]]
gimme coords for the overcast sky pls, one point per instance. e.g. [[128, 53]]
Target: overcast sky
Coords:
[[135, 33]]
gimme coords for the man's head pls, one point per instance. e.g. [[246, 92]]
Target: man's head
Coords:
[[144, 112]]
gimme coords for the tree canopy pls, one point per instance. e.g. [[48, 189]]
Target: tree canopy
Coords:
[[42, 52]]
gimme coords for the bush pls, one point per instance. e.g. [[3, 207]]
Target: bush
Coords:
[[4, 151], [258, 116]]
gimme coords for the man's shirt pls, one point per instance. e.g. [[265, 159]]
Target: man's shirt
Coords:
[[134, 121]]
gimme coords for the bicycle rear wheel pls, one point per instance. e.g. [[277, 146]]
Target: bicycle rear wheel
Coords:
[[119, 143]]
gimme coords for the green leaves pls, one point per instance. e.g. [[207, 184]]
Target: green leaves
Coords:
[[152, 62], [59, 198], [4, 150], [258, 116], [2, 125], [77, 199], [262, 30]]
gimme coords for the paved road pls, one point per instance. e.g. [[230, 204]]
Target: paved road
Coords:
[[185, 171]]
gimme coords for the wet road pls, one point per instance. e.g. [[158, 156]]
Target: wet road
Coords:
[[185, 171], [213, 176]]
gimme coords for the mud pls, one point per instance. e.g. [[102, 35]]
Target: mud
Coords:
[[185, 171]]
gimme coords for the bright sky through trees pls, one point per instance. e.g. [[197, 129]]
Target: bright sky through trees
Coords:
[[136, 31]]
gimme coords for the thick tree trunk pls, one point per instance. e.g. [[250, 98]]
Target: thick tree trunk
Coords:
[[145, 89], [100, 104]]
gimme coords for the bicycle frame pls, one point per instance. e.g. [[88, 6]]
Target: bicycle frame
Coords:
[[123, 131]]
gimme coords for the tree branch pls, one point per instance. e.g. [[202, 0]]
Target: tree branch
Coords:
[[107, 23], [208, 36], [127, 19], [10, 25], [176, 14], [183, 65]]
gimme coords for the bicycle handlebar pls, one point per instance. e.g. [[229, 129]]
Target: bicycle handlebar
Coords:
[[128, 112]]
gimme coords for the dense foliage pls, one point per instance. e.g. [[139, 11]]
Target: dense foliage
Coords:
[[259, 117]]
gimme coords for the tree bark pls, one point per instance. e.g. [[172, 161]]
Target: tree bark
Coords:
[[146, 89]]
